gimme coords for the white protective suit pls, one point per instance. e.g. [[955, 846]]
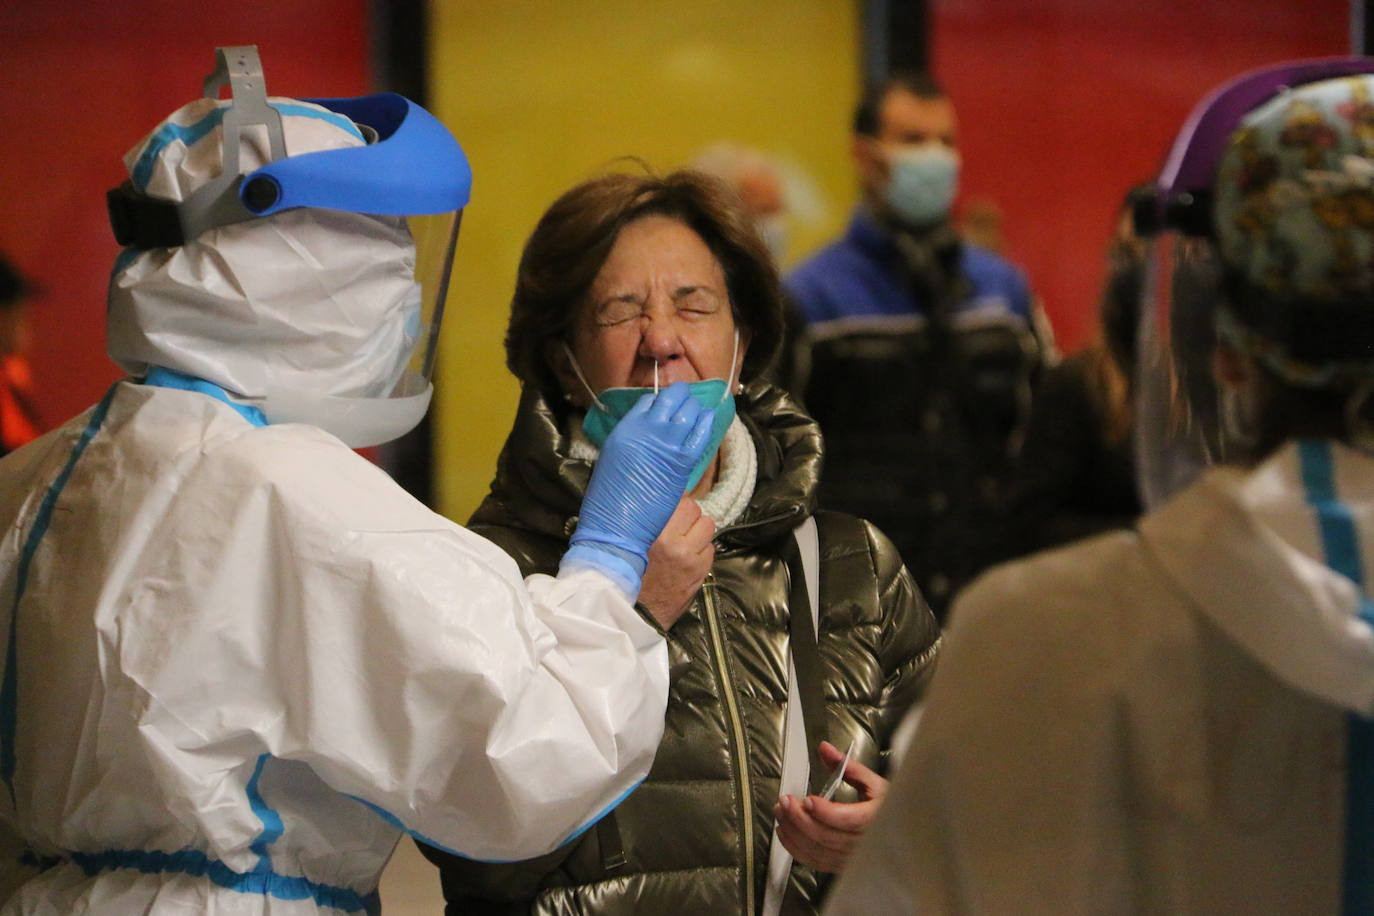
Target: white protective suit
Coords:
[[1151, 722], [243, 658]]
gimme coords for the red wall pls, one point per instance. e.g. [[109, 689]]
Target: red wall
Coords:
[[85, 80], [1064, 104]]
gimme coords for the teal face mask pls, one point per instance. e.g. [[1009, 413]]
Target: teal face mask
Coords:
[[611, 405]]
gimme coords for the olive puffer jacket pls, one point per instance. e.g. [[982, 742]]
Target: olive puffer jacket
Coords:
[[695, 836]]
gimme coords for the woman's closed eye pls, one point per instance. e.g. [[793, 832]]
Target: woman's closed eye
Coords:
[[697, 300], [618, 311]]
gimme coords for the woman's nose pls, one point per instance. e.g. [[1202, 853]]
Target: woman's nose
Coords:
[[661, 341]]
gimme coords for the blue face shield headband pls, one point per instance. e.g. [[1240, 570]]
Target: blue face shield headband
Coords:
[[412, 166], [611, 405]]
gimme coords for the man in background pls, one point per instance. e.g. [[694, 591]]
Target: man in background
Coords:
[[921, 348], [755, 178]]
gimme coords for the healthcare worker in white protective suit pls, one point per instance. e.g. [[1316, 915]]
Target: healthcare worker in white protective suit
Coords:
[[1177, 719], [238, 661]]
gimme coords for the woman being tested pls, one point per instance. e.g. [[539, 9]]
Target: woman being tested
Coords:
[[630, 283], [238, 660], [1178, 719]]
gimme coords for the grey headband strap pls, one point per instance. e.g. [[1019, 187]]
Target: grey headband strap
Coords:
[[217, 202]]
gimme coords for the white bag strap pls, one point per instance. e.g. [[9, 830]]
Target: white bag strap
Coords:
[[809, 545], [796, 756]]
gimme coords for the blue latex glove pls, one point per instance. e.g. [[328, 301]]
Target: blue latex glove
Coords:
[[637, 483]]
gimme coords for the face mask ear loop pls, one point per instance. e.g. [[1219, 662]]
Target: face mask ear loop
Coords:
[[580, 377], [655, 376], [730, 379]]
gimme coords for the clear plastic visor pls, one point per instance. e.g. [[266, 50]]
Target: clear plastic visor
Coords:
[[436, 238], [1178, 409], [373, 419]]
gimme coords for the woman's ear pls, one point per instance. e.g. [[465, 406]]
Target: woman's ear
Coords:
[[556, 355], [744, 337]]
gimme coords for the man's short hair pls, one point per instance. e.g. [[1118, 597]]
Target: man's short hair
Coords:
[[868, 116]]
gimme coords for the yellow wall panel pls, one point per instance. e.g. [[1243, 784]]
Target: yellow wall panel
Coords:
[[545, 93]]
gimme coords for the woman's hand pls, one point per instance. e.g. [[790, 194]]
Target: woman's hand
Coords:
[[822, 833], [678, 563]]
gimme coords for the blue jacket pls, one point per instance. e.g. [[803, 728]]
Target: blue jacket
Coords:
[[860, 275]]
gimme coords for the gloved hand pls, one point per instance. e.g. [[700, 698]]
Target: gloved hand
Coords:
[[636, 484]]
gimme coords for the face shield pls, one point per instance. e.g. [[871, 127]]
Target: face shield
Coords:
[[1217, 171], [380, 373], [296, 253]]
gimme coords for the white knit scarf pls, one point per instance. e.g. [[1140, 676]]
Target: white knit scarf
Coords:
[[738, 473]]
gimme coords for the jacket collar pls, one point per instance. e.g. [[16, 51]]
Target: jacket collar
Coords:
[[539, 484], [1246, 549], [877, 237], [867, 233]]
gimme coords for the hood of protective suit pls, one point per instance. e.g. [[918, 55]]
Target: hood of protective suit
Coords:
[[306, 302], [1247, 549]]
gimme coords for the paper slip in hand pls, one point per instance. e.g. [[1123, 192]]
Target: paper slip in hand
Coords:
[[833, 786]]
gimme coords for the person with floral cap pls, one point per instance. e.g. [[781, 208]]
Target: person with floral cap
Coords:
[[1177, 719]]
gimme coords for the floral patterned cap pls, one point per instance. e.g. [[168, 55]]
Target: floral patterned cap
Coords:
[[1294, 198]]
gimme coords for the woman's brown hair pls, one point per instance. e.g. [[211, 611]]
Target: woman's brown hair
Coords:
[[576, 234]]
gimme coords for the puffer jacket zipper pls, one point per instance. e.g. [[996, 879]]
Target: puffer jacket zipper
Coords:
[[740, 755]]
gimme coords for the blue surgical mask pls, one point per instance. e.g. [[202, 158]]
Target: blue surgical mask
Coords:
[[611, 405], [921, 183]]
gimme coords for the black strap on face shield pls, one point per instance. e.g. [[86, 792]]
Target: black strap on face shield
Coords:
[[1188, 212], [140, 221]]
